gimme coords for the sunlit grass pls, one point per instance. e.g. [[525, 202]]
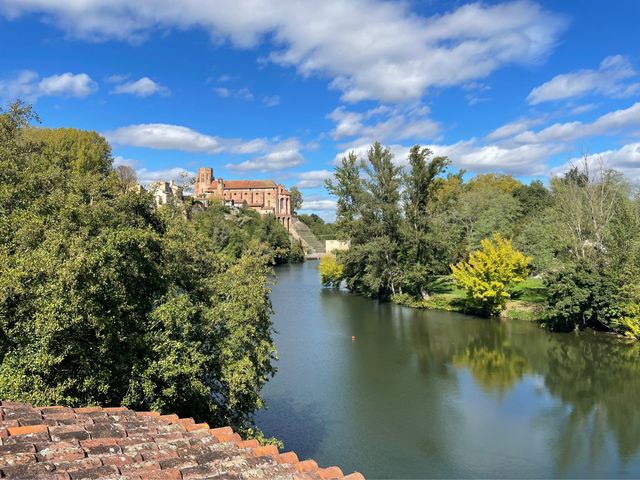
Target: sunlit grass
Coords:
[[525, 303]]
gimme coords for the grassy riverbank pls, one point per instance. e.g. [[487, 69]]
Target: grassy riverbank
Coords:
[[525, 304]]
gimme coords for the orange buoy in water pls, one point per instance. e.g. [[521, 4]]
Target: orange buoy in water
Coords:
[[353, 338]]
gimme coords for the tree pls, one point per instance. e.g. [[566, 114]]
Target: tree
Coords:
[[580, 296], [331, 272], [127, 177], [533, 198], [490, 273], [347, 186], [106, 300], [296, 199], [420, 186], [82, 151]]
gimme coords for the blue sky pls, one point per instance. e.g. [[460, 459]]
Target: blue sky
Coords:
[[282, 89]]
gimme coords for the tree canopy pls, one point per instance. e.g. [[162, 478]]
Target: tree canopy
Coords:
[[106, 299]]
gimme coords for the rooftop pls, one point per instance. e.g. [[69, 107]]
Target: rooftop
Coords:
[[117, 443], [249, 184]]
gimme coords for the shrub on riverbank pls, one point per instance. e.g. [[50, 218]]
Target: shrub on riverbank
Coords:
[[490, 274], [331, 271]]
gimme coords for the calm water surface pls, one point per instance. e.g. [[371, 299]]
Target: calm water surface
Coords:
[[435, 394]]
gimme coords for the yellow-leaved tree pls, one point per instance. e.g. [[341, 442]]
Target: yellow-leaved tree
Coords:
[[490, 273], [331, 272]]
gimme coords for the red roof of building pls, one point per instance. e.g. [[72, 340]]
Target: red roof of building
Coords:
[[249, 184], [117, 443]]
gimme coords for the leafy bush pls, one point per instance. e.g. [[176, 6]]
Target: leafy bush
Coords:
[[331, 271], [489, 274], [580, 296]]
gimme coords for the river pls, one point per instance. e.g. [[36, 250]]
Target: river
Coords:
[[423, 394]]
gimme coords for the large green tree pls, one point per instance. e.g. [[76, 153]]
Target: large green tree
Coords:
[[105, 299]]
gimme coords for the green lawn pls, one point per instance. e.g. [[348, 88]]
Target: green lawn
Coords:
[[525, 304]]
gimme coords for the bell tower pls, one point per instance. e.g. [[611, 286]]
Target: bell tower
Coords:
[[203, 181]]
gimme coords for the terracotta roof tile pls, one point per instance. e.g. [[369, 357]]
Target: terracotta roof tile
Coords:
[[116, 443], [249, 184]]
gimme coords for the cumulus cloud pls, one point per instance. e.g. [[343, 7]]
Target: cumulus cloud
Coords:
[[384, 124], [318, 203], [513, 128], [313, 178], [280, 156], [165, 137], [142, 87], [513, 148], [28, 85], [146, 176], [608, 79], [270, 155], [477, 158], [400, 152], [176, 174], [117, 78], [393, 54], [241, 93], [608, 123], [626, 160], [271, 101]]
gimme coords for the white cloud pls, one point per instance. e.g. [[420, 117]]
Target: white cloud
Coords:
[[241, 93], [146, 176], [67, 84], [520, 160], [478, 158], [315, 203], [370, 49], [400, 152], [271, 154], [608, 123], [27, 85], [384, 124], [280, 156], [176, 174], [514, 128], [271, 100], [607, 80], [117, 78], [142, 87], [313, 178], [514, 149], [165, 137], [626, 160]]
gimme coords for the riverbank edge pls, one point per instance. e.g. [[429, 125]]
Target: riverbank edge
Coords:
[[515, 310], [527, 302]]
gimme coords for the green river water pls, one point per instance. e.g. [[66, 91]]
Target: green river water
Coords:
[[424, 394]]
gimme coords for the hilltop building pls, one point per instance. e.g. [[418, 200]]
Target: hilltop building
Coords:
[[263, 196], [165, 192]]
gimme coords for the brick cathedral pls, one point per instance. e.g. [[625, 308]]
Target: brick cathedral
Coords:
[[263, 196]]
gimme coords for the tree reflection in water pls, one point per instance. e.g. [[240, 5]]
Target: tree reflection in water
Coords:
[[595, 377]]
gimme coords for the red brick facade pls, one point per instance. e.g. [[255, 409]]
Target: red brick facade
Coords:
[[263, 196]]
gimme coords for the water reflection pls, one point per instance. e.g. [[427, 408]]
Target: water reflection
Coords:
[[436, 394]]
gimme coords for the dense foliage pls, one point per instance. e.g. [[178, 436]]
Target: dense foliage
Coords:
[[331, 272], [233, 231], [105, 299], [407, 224], [490, 273]]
